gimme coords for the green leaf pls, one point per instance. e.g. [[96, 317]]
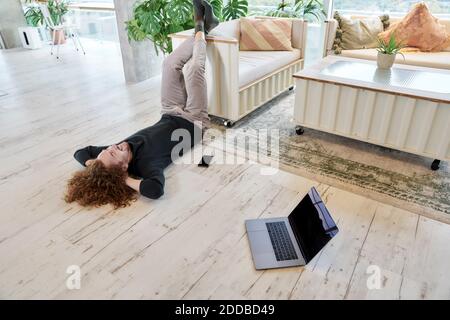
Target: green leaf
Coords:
[[389, 47], [179, 10], [217, 8], [235, 9], [156, 19], [34, 16], [307, 9]]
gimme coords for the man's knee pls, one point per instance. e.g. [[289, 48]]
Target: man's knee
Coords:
[[170, 63]]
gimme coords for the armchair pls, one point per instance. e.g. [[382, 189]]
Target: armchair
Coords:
[[242, 81]]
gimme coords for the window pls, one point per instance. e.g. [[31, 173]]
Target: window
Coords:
[[400, 7], [95, 18], [259, 7]]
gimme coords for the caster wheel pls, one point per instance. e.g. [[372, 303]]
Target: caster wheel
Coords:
[[291, 88], [228, 123], [435, 165], [299, 130]]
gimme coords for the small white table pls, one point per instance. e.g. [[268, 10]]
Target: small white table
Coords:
[[406, 108]]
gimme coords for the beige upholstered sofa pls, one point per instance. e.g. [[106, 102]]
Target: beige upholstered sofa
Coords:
[[241, 81], [439, 60]]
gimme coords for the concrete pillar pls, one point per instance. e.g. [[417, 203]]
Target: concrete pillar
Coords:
[[140, 61], [11, 18]]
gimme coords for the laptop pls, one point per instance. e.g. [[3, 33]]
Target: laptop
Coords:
[[294, 240]]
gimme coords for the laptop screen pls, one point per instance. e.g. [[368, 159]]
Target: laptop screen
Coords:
[[312, 225]]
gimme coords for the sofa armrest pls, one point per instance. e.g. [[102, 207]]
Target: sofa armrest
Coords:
[[225, 32], [209, 38], [331, 26], [299, 32]]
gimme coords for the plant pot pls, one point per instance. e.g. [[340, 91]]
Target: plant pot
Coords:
[[385, 61], [59, 37]]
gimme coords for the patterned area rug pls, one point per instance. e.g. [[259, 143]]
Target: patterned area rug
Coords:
[[389, 176]]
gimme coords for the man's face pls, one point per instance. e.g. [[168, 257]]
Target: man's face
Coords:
[[116, 155]]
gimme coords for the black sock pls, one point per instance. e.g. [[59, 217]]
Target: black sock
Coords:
[[199, 15], [199, 26], [211, 21]]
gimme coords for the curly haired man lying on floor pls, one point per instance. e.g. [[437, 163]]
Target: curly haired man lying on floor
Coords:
[[111, 171]]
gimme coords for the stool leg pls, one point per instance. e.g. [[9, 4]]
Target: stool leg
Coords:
[[53, 40], [57, 48], [70, 32], [79, 42]]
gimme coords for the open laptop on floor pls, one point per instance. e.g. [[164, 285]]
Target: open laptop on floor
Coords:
[[294, 240]]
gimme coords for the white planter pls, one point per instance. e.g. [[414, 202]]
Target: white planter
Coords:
[[385, 61]]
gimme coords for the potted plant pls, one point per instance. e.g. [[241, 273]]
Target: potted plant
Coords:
[[309, 10], [156, 19], [387, 51], [57, 10]]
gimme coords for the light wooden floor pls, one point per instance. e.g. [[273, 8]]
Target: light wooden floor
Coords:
[[192, 242]]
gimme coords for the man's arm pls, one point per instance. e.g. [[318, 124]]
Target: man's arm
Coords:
[[84, 155], [151, 187], [133, 183]]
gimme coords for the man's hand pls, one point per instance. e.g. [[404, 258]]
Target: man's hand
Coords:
[[133, 183]]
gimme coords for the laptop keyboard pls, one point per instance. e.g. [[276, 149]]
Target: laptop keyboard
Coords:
[[281, 241]]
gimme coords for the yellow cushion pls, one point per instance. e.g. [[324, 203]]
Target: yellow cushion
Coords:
[[419, 29], [265, 34], [359, 33]]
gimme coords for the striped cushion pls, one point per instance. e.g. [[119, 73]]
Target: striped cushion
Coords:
[[265, 34]]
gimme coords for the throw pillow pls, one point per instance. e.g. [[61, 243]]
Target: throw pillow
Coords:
[[265, 34], [358, 33], [419, 29]]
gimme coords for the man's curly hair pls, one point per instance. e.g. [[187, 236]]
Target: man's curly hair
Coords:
[[98, 185]]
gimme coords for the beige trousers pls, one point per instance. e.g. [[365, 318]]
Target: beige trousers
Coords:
[[184, 94]]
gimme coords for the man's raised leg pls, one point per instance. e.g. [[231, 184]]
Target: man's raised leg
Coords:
[[197, 94], [173, 88]]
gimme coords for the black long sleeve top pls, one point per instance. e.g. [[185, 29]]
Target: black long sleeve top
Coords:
[[151, 148]]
